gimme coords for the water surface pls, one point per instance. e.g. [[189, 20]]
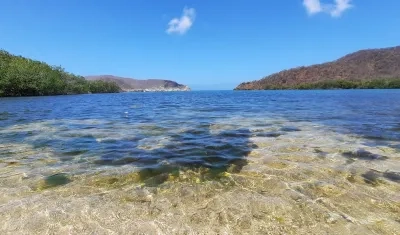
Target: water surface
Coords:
[[202, 162]]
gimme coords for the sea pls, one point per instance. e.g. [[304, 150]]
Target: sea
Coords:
[[201, 162]]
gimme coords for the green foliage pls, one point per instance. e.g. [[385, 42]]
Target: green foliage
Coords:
[[20, 76], [342, 84]]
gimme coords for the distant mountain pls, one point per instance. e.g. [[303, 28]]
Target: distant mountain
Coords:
[[374, 68], [130, 84]]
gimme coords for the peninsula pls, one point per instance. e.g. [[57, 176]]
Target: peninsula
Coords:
[[365, 69], [20, 76], [137, 85]]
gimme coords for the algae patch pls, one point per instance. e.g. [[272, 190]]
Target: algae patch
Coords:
[[154, 177]]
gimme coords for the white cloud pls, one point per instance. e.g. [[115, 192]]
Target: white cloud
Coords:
[[183, 24], [312, 6], [334, 9]]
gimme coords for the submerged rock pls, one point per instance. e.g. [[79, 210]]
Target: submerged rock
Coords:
[[371, 177], [290, 129], [138, 195], [53, 181], [364, 155], [393, 176], [12, 163], [268, 134]]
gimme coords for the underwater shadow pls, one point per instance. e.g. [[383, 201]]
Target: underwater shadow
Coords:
[[195, 154]]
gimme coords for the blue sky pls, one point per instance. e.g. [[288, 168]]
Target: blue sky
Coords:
[[206, 44]]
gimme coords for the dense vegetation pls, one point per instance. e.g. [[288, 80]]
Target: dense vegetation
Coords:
[[20, 76], [342, 84]]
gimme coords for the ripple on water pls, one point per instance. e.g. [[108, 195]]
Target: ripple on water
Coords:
[[5, 116]]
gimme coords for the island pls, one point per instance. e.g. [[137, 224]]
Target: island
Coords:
[[365, 69]]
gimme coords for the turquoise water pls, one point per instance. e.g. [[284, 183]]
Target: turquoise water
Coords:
[[318, 144]]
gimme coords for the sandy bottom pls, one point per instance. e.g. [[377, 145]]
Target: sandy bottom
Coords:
[[313, 181]]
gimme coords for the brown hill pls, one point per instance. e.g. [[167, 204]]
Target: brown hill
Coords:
[[130, 84], [356, 67]]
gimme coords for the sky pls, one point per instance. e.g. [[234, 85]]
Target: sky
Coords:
[[206, 44]]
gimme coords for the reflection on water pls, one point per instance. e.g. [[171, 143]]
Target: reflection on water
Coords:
[[201, 162]]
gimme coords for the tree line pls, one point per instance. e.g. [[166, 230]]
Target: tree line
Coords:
[[341, 84], [21, 76]]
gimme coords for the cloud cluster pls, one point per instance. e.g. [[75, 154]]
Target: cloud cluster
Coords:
[[184, 23], [334, 9]]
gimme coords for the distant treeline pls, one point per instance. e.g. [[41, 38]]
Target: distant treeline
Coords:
[[20, 76], [342, 84]]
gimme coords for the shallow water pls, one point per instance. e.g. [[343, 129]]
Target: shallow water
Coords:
[[277, 162]]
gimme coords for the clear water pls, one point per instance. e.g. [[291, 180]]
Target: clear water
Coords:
[[277, 161]]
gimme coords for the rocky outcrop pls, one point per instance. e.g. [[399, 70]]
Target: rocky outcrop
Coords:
[[357, 67], [136, 85]]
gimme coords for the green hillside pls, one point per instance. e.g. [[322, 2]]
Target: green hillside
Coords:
[[21, 76]]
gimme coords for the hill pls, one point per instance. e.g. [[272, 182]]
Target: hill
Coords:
[[20, 76], [374, 68], [130, 84]]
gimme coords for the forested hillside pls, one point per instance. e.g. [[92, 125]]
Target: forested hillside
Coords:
[[20, 76], [365, 69]]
